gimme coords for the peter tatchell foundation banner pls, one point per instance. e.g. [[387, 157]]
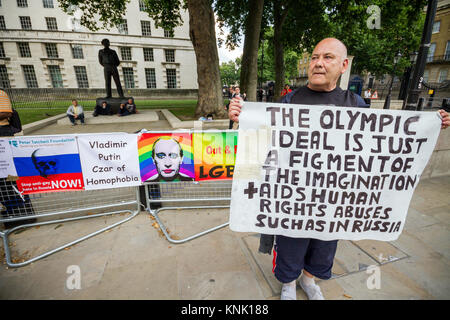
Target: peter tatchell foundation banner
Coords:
[[112, 160], [328, 172]]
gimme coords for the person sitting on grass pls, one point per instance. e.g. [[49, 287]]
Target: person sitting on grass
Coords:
[[104, 109], [75, 112], [131, 107]]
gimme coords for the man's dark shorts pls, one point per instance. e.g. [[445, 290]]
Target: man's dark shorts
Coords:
[[292, 255]]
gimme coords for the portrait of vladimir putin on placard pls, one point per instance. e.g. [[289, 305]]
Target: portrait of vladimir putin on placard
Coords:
[[167, 156]]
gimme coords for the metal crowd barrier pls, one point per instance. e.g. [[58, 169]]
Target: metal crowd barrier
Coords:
[[184, 192], [60, 207]]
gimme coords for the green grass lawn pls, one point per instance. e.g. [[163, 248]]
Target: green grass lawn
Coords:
[[35, 111], [32, 115]]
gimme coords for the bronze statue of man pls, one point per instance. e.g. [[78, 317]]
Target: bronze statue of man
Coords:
[[110, 61]]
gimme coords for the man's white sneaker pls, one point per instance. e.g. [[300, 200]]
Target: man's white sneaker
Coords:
[[311, 289], [288, 291]]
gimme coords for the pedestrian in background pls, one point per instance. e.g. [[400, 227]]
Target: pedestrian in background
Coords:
[[286, 90], [367, 96]]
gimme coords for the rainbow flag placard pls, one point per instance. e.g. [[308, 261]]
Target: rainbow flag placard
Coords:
[[214, 155], [172, 159]]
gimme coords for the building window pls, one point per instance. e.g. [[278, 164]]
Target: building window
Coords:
[[442, 75], [4, 79], [55, 76], [22, 3], [2, 23], [125, 53], [447, 51], [150, 77], [25, 22], [142, 6], [167, 34], [2, 51], [148, 54], [48, 3], [81, 75], [170, 55], [123, 27], [77, 51], [171, 78], [128, 77], [51, 23], [30, 76], [146, 28], [52, 50], [436, 26], [24, 49], [431, 52]]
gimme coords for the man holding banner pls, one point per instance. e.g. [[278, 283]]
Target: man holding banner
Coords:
[[312, 256]]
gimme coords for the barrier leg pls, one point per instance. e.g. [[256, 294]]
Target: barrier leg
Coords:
[[155, 213]]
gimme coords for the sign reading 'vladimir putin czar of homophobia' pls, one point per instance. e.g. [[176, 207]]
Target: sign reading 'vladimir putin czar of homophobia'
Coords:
[[109, 160], [328, 172]]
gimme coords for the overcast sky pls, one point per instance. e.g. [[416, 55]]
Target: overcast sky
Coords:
[[226, 55]]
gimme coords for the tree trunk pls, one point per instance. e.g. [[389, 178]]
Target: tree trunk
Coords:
[[249, 70], [279, 18], [203, 37]]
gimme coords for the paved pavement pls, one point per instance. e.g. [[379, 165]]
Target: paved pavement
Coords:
[[135, 261]]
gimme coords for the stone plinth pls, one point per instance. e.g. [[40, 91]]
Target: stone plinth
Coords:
[[113, 102]]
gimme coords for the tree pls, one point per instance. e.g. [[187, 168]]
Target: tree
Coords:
[[203, 37], [166, 14], [243, 17], [280, 12], [249, 73], [229, 73], [291, 58], [401, 23], [297, 25], [110, 13], [294, 22]]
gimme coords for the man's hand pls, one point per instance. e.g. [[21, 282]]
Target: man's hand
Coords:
[[75, 116], [445, 119], [234, 109]]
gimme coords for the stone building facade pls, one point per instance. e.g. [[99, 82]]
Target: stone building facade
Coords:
[[437, 69], [43, 47]]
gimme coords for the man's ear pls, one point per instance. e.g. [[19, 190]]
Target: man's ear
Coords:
[[344, 65]]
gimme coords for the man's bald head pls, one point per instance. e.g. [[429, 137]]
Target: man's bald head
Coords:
[[328, 62], [338, 45]]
